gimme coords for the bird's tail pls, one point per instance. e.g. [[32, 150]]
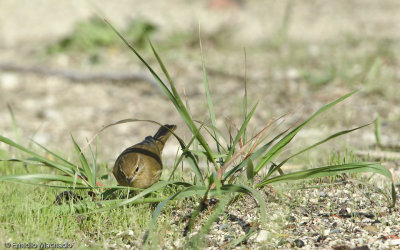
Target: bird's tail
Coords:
[[163, 133]]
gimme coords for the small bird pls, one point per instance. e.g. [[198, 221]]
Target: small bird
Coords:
[[140, 165]]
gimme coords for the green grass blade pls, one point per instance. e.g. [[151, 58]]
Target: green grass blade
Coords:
[[213, 131], [242, 238], [186, 153], [188, 192], [310, 147], [44, 160], [377, 131], [40, 178], [67, 163], [250, 171], [209, 100], [204, 153], [27, 161], [240, 133], [163, 87], [251, 191], [245, 95], [88, 172], [360, 167], [94, 163], [279, 146], [175, 98], [84, 206], [158, 186], [14, 124], [254, 156], [197, 241], [183, 111]]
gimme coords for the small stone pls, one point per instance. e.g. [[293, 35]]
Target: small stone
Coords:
[[125, 233], [361, 248], [228, 238], [313, 200], [282, 242], [321, 238], [292, 218], [323, 194], [340, 247], [377, 221], [223, 227], [51, 114], [262, 236], [335, 231], [371, 229], [298, 243], [9, 81], [42, 138], [293, 74], [395, 242]]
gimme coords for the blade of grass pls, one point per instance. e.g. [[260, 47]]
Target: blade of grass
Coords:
[[377, 131], [208, 96], [189, 156], [245, 94], [39, 158], [40, 178], [188, 192], [174, 97], [158, 186], [277, 167], [246, 190], [94, 164], [27, 161], [84, 206], [279, 146], [163, 87], [332, 170], [54, 154], [242, 238], [182, 109], [254, 156], [240, 133], [88, 172], [196, 241], [117, 123], [211, 130], [257, 137], [250, 171], [14, 124]]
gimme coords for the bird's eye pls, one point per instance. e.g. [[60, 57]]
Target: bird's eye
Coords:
[[137, 169]]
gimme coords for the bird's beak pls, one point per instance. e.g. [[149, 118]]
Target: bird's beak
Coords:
[[128, 180]]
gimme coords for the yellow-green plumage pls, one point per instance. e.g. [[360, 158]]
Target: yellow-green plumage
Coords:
[[140, 165]]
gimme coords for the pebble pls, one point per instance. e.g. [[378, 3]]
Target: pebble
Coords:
[[395, 242], [371, 229], [335, 231], [262, 236], [299, 243], [9, 81]]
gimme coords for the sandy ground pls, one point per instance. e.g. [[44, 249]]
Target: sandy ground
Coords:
[[50, 108]]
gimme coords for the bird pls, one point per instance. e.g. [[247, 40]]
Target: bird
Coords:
[[140, 166]]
